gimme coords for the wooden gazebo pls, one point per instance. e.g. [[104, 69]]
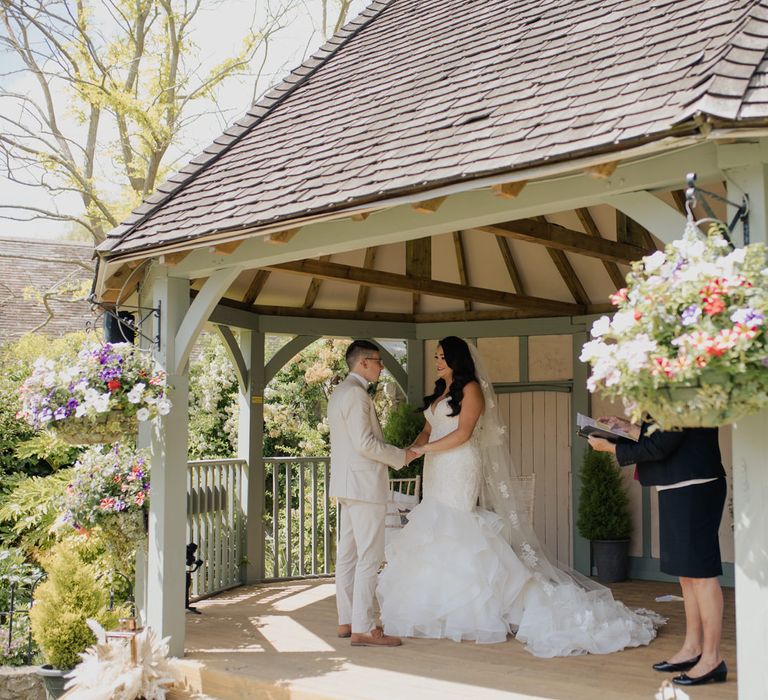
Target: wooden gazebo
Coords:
[[486, 169]]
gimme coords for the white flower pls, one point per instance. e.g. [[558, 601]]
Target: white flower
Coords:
[[601, 327], [655, 261], [101, 404], [80, 410], [134, 395], [142, 414], [623, 321], [163, 407]]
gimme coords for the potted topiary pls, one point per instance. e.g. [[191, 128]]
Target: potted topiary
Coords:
[[604, 516], [62, 602]]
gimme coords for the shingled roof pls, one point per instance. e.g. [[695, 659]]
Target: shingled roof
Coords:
[[414, 94], [39, 265]]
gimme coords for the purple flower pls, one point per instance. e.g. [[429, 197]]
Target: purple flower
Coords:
[[748, 316], [60, 413], [691, 315], [765, 362]]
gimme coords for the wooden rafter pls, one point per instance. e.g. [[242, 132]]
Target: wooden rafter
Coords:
[[555, 236], [362, 293], [461, 263], [591, 228], [388, 280], [418, 263], [678, 197], [509, 190], [281, 236], [630, 232], [567, 273], [509, 261], [314, 287], [428, 206], [569, 276], [254, 289]]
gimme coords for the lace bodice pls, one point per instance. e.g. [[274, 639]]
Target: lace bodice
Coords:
[[453, 476]]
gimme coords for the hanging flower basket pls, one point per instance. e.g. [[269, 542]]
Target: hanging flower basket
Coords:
[[104, 428], [109, 490], [98, 396], [687, 346]]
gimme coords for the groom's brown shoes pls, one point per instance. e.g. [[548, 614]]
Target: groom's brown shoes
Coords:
[[375, 638], [344, 631]]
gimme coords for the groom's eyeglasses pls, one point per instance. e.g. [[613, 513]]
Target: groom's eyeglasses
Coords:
[[375, 359]]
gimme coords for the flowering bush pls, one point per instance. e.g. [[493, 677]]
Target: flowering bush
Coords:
[[687, 345], [110, 489], [95, 396]]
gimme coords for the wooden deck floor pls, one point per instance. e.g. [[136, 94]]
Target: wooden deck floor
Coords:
[[277, 641]]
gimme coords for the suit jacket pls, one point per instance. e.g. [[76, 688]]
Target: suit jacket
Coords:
[[669, 457], [359, 455]]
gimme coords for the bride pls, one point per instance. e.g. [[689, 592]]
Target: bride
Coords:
[[463, 572]]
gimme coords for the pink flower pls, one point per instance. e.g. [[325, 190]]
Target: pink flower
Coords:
[[139, 498], [619, 296]]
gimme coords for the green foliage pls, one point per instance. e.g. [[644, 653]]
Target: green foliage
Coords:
[[21, 449], [213, 401], [16, 572], [70, 594], [402, 427], [604, 505], [31, 509]]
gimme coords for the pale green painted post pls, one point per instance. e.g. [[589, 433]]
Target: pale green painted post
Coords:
[[167, 441], [580, 403], [250, 448], [415, 372], [750, 478]]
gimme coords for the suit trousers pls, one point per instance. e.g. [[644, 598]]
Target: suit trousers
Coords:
[[359, 555]]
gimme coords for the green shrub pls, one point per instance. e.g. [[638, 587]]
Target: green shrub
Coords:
[[604, 504], [62, 603], [401, 428]]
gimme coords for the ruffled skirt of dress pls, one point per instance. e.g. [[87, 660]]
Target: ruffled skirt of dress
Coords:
[[450, 574]]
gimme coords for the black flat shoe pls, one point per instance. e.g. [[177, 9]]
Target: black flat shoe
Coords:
[[667, 667], [717, 675]]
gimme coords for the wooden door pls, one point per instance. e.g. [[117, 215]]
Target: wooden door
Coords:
[[540, 433]]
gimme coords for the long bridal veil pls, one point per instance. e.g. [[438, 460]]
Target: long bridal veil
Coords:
[[565, 612]]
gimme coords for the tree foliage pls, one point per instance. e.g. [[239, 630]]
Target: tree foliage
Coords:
[[604, 503], [110, 88]]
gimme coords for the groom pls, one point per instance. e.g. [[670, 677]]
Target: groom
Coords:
[[359, 480]]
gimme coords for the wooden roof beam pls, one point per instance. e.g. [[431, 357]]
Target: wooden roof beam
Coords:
[[509, 261], [362, 293], [591, 228], [461, 262], [388, 280], [555, 236], [254, 289], [509, 190], [314, 287], [281, 236]]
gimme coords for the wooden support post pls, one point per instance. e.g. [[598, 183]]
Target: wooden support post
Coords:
[[250, 448], [166, 439]]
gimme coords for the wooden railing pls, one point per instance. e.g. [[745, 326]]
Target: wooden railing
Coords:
[[299, 532], [300, 519], [216, 523]]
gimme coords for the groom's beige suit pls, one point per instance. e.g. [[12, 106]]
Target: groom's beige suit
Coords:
[[359, 480]]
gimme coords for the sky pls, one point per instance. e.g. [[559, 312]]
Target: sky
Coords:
[[216, 40]]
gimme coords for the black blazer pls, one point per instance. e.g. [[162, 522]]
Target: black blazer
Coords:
[[665, 458]]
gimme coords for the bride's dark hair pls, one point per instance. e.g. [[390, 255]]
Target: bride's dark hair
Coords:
[[459, 359]]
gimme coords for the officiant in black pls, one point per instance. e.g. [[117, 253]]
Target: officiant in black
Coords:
[[686, 469]]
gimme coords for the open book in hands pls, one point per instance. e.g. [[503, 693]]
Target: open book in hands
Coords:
[[587, 426]]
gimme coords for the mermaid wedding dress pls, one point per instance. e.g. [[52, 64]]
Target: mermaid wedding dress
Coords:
[[466, 573]]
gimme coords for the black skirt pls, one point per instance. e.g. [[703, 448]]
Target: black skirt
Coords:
[[689, 521]]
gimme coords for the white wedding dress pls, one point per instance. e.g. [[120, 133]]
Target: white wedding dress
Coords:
[[451, 573]]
